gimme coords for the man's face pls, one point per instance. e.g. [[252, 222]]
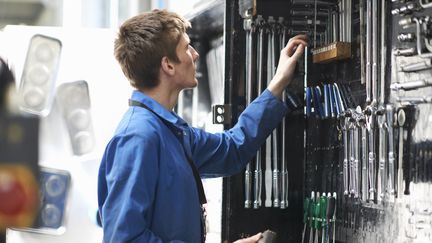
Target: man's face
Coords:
[[185, 69]]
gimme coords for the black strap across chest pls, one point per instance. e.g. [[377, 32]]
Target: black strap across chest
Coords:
[[200, 188]]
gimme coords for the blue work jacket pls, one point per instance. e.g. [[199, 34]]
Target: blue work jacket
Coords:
[[146, 188]]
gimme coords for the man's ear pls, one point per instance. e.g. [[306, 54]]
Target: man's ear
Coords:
[[167, 66]]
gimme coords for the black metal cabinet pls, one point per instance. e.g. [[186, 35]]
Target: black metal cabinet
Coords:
[[315, 148]]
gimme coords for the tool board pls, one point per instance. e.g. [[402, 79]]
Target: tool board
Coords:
[[358, 132]]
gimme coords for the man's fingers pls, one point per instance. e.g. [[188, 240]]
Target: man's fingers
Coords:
[[298, 52], [256, 237], [293, 45], [301, 37], [294, 42], [252, 239]]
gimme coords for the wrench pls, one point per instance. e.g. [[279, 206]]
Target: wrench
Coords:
[[284, 171], [370, 125], [258, 170], [356, 152], [401, 122], [275, 158], [344, 126], [391, 157], [352, 154], [364, 158], [382, 154], [411, 85], [268, 144], [248, 27]]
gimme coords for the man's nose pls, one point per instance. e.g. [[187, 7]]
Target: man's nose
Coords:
[[195, 54]]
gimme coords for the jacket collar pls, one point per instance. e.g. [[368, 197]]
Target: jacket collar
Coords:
[[165, 114]]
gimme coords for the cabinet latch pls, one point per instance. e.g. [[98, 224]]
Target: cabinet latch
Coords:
[[221, 114]]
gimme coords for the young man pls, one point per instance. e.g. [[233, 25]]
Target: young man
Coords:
[[149, 188]]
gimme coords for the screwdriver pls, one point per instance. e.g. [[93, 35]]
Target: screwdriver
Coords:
[[331, 205], [311, 216], [334, 217], [323, 214], [306, 205], [317, 211]]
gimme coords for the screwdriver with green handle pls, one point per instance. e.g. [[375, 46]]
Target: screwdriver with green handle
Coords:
[[306, 205], [317, 211], [311, 216], [323, 214]]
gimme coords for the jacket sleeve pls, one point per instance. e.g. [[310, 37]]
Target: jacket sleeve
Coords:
[[127, 208], [227, 153]]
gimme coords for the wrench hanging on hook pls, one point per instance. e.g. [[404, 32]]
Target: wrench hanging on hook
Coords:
[[248, 26]]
